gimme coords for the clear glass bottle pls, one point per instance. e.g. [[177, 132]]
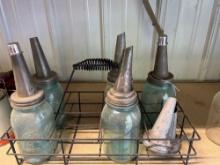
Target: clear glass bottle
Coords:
[[121, 123], [213, 122], [46, 79], [53, 95], [120, 118], [32, 116], [39, 124]]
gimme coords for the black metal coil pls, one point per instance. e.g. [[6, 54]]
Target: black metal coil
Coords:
[[96, 64]]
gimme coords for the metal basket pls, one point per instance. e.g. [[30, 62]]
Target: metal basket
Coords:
[[80, 139]]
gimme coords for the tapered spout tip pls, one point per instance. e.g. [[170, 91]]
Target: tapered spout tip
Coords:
[[119, 48], [42, 68]]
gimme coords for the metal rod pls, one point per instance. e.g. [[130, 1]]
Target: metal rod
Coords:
[[153, 17], [68, 84], [64, 157], [78, 121], [13, 150]]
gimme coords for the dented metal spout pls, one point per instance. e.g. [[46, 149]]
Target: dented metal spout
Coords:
[[124, 81], [42, 68], [26, 93], [161, 130], [122, 94], [119, 48]]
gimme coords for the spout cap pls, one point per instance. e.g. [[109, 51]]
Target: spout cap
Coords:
[[163, 123], [43, 72], [160, 74], [122, 94], [26, 92], [161, 130], [119, 48]]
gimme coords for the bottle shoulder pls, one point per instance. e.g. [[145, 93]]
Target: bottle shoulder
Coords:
[[119, 114], [150, 88]]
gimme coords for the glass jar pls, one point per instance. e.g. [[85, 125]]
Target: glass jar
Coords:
[[121, 123], [152, 99], [5, 111], [34, 122], [53, 95], [213, 122]]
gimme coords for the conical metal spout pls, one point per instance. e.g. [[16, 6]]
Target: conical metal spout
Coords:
[[42, 68], [164, 120], [24, 85], [160, 74], [26, 91], [124, 81], [122, 94], [161, 130], [119, 48]]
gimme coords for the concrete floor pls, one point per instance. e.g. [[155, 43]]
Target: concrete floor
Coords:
[[195, 99]]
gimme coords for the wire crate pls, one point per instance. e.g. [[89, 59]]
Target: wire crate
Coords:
[[80, 140]]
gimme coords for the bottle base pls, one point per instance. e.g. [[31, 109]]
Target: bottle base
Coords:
[[122, 159]]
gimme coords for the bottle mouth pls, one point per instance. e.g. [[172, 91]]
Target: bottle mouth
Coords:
[[45, 80], [162, 41], [119, 99], [23, 102]]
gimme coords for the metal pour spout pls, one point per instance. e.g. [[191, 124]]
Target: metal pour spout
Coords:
[[24, 85], [26, 92], [124, 81], [42, 68], [160, 74], [122, 94], [119, 48]]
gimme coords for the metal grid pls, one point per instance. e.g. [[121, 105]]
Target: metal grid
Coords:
[[80, 139]]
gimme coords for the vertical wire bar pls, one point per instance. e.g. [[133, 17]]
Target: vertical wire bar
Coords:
[[103, 99], [100, 139], [181, 157], [76, 128], [63, 152], [13, 149], [182, 126], [190, 148], [67, 86], [137, 158], [183, 120]]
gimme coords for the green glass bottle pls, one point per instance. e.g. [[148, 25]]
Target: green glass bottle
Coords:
[[120, 118], [46, 79], [158, 86], [32, 116]]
